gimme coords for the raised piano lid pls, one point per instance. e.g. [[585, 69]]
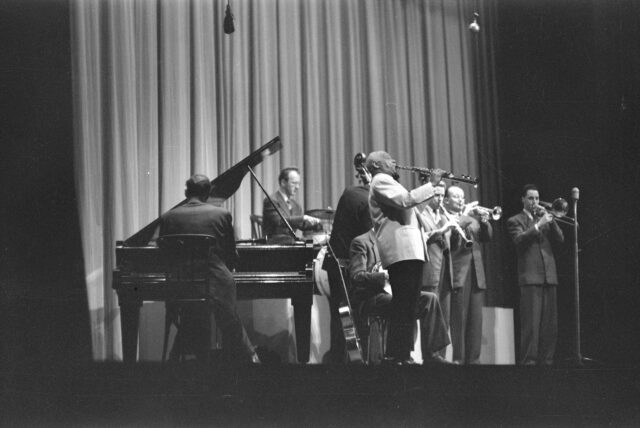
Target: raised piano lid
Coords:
[[222, 187]]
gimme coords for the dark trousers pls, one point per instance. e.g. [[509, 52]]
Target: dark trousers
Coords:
[[222, 303], [434, 333], [466, 321], [337, 353], [538, 323], [405, 278]]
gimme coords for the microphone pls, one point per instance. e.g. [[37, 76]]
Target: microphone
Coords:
[[228, 21], [575, 193]]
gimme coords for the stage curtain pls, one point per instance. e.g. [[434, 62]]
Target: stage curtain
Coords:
[[161, 92]]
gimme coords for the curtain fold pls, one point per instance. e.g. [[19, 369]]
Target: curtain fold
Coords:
[[160, 92]]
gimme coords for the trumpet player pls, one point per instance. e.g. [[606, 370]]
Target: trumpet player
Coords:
[[532, 232], [463, 298]]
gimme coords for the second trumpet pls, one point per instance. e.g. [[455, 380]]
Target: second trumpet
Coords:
[[495, 213]]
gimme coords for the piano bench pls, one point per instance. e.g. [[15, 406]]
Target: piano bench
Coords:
[[192, 319]]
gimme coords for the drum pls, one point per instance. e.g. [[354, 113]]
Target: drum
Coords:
[[320, 276], [320, 237]]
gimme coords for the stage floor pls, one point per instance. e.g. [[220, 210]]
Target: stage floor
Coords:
[[112, 394]]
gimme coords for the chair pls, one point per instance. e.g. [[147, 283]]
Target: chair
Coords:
[[185, 257], [256, 226], [372, 330], [377, 331]]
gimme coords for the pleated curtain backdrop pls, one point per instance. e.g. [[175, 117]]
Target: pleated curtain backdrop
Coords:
[[161, 92]]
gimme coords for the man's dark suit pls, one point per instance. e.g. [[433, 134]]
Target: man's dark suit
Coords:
[[351, 219], [467, 293], [273, 228], [438, 267], [537, 279], [197, 217], [368, 296]]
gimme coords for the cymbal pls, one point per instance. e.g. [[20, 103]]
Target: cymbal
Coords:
[[321, 213]]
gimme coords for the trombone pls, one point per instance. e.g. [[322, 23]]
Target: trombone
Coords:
[[558, 209]]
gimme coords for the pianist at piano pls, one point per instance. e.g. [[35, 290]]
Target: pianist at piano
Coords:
[[262, 271], [282, 200], [198, 217]]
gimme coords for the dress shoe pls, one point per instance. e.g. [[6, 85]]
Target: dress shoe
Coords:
[[435, 359], [392, 361]]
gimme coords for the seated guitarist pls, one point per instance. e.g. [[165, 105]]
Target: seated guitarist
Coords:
[[368, 297]]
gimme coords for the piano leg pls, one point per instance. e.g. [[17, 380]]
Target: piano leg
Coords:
[[129, 318], [302, 319]]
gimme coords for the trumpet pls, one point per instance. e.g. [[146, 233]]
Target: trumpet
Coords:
[[558, 209], [495, 213], [468, 243], [446, 175]]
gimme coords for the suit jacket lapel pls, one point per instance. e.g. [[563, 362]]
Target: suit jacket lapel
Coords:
[[431, 220], [282, 205]]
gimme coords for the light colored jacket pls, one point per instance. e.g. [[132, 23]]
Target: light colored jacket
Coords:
[[399, 235]]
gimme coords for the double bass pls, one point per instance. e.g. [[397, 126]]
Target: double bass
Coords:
[[349, 330]]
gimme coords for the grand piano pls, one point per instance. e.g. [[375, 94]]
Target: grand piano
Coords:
[[263, 271]]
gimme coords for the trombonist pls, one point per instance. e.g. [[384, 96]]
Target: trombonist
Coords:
[[463, 299], [532, 231]]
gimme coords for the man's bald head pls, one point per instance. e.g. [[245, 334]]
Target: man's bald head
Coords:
[[381, 161]]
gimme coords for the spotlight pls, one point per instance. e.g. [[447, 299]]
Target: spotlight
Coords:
[[474, 26]]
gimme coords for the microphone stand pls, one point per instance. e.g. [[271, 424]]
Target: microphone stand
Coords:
[[578, 358]]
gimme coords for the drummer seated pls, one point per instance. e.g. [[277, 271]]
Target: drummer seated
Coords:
[[274, 228]]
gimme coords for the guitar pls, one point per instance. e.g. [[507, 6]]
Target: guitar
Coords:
[[352, 340]]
